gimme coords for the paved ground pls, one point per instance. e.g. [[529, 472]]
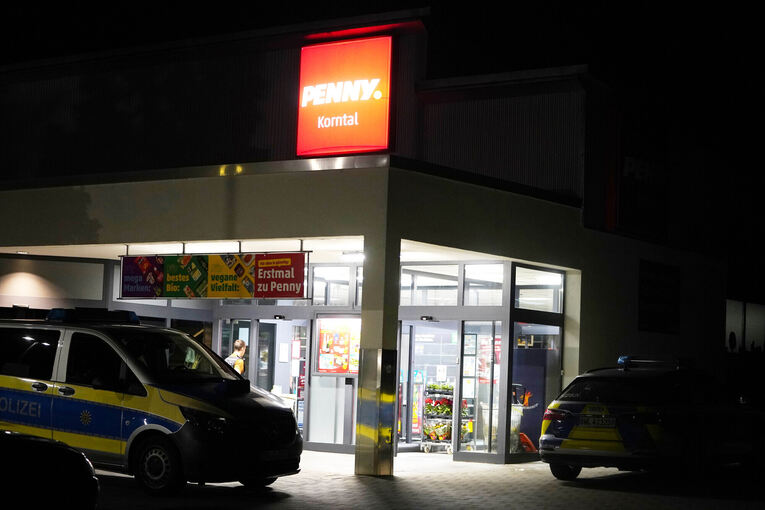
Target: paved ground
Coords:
[[435, 481]]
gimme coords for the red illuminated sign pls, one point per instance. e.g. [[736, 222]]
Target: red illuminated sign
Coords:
[[344, 99]]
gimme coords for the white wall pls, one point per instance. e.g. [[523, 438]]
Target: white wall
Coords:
[[35, 281]]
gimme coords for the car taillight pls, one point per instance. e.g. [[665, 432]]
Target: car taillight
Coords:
[[553, 415]]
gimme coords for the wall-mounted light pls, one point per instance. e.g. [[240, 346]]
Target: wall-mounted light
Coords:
[[428, 318], [279, 317]]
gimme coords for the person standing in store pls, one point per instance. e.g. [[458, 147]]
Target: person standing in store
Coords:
[[236, 359]]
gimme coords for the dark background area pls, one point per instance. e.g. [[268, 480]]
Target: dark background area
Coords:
[[687, 78]]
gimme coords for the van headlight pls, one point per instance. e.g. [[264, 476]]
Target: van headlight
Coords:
[[205, 421]]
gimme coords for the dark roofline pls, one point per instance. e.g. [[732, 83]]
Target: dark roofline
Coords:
[[526, 76], [409, 18]]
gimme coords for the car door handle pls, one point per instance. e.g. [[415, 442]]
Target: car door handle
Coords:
[[66, 390], [39, 386]]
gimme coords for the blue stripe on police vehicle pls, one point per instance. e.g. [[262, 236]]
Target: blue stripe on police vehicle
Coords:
[[25, 408], [103, 420]]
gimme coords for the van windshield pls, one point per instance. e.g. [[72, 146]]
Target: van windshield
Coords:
[[171, 356]]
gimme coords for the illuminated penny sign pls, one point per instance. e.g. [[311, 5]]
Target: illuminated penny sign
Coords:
[[344, 99]]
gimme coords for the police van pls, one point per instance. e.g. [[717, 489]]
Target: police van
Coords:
[[143, 400]]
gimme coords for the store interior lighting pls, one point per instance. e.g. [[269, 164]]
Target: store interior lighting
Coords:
[[352, 256]]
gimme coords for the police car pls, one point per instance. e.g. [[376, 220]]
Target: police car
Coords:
[[143, 400], [647, 415]]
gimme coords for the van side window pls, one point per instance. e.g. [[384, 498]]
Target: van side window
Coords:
[[92, 362], [132, 385], [28, 352]]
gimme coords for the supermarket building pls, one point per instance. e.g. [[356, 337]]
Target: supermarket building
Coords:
[[471, 215]]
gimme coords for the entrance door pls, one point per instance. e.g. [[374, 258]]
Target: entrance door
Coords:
[[427, 385], [282, 348], [264, 360], [231, 331], [480, 404]]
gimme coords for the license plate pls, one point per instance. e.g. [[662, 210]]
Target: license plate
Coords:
[[594, 420]]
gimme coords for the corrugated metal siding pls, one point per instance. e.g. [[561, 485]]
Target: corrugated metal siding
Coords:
[[535, 140]]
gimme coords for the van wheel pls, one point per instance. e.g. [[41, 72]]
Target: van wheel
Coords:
[[565, 471], [158, 467], [257, 482]]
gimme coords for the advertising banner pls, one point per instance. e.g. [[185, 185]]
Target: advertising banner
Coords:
[[229, 277], [279, 275], [224, 276], [186, 276], [142, 277], [339, 342]]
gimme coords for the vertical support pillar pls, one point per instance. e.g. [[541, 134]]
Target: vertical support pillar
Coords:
[[375, 423]]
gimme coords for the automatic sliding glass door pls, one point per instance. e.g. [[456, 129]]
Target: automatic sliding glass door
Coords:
[[480, 410], [428, 355]]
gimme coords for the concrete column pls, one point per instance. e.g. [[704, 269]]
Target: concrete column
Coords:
[[375, 423]]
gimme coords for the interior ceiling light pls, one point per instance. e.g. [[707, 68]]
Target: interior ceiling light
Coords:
[[352, 256]]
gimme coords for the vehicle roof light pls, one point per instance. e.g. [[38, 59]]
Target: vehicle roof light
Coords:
[[627, 362], [92, 315]]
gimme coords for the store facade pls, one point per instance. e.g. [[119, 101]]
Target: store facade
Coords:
[[476, 299]]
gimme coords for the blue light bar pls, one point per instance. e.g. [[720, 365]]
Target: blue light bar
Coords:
[[92, 315]]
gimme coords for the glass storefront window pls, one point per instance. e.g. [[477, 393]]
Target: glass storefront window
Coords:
[[536, 381], [359, 284], [538, 290], [483, 284], [331, 285], [298, 371], [479, 414], [434, 285]]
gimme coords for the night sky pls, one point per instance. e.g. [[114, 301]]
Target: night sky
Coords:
[[688, 78]]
